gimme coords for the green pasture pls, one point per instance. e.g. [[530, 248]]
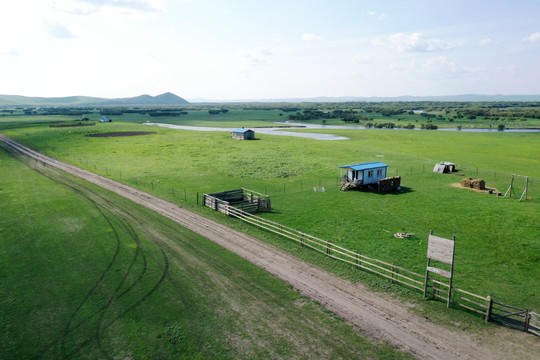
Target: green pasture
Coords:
[[497, 240], [85, 274]]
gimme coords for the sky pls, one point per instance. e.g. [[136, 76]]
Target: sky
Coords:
[[259, 49]]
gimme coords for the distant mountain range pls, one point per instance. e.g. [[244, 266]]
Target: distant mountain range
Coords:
[[458, 98], [163, 99], [170, 99]]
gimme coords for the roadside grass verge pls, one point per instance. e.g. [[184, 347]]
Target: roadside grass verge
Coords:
[[87, 274]]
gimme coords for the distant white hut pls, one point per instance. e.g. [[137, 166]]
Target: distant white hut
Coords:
[[243, 134], [104, 119], [444, 167]]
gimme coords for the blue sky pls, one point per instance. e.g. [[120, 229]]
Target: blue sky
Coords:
[[239, 49]]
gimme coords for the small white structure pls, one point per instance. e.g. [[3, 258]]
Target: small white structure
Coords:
[[104, 119], [243, 134], [444, 167]]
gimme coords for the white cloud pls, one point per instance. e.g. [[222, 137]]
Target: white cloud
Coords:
[[9, 52], [377, 43], [255, 57], [473, 70], [59, 31], [311, 37], [533, 38], [85, 7], [417, 42], [485, 41], [507, 68], [363, 59], [440, 64], [376, 15]]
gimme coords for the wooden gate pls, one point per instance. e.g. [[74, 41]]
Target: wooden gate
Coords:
[[510, 316], [534, 323]]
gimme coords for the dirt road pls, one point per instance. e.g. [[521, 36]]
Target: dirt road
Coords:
[[375, 317]]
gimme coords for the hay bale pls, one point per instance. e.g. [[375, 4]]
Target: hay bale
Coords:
[[478, 184], [466, 182]]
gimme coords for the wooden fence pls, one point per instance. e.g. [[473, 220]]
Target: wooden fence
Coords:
[[243, 199], [483, 305]]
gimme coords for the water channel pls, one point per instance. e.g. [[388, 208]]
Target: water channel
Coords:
[[318, 136]]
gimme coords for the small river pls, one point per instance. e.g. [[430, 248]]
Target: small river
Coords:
[[317, 136]]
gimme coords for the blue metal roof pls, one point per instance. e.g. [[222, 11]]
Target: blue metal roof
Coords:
[[365, 166], [242, 130]]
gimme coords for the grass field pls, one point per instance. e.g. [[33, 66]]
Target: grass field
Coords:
[[86, 274], [498, 240]]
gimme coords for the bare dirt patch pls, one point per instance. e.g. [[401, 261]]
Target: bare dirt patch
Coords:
[[122, 133]]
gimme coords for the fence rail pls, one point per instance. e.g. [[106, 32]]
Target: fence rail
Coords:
[[387, 270], [534, 323], [483, 305]]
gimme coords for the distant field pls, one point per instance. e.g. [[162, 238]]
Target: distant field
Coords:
[[498, 240], [86, 274], [264, 116]]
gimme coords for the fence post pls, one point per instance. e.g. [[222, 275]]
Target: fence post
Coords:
[[392, 273], [489, 308], [527, 321], [357, 254], [197, 198]]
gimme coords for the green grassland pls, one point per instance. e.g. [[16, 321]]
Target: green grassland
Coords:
[[85, 274], [497, 240]]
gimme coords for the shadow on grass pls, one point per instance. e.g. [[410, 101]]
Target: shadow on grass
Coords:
[[403, 190]]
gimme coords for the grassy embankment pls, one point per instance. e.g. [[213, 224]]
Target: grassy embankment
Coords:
[[86, 274], [498, 240]]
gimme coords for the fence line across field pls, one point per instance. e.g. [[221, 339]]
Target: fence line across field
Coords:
[[482, 305]]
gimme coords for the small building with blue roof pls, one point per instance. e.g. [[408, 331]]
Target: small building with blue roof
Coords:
[[364, 174], [243, 134]]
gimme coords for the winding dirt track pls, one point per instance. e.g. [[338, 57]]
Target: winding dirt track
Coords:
[[374, 316]]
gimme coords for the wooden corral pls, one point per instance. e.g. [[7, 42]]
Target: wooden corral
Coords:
[[244, 199]]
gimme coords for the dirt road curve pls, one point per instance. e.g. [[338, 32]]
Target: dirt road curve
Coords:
[[375, 317]]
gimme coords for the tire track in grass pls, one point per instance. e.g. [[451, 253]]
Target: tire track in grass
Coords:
[[119, 215], [108, 210]]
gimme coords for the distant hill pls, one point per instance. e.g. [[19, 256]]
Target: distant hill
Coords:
[[457, 98], [163, 99]]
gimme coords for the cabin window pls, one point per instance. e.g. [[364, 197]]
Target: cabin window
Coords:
[[379, 172], [370, 173]]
